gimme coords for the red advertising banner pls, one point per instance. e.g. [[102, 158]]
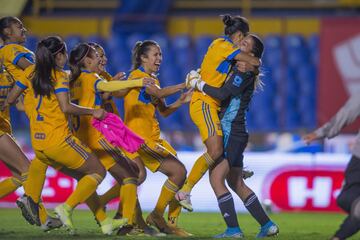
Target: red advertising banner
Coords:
[[289, 182], [339, 66]]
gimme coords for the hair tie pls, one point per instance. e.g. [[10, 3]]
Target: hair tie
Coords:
[[87, 52], [60, 49]]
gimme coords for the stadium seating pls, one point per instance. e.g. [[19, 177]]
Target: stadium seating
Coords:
[[289, 72]]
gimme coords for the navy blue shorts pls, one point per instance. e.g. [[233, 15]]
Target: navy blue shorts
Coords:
[[234, 149]]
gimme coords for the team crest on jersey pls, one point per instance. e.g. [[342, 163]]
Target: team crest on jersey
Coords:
[[237, 81]]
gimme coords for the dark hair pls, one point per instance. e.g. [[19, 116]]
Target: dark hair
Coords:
[[45, 64], [258, 48], [76, 59], [5, 22], [141, 49], [234, 24]]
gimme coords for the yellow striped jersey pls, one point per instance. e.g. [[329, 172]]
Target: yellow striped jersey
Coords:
[[10, 54], [215, 66], [140, 109], [84, 93], [6, 82], [48, 124]]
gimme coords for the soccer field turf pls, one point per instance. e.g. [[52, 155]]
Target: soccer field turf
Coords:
[[297, 226]]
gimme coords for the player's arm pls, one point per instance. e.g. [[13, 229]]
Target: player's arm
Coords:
[[158, 92], [114, 86], [71, 108], [20, 104], [244, 57], [166, 110], [346, 115], [13, 95]]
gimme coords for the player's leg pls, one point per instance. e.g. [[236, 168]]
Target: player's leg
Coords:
[[251, 202], [12, 155], [16, 160], [81, 160], [176, 173], [106, 224], [348, 201], [128, 191], [119, 167], [349, 227], [206, 119], [217, 177]]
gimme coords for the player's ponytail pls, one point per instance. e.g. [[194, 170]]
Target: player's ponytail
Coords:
[[45, 65], [257, 50], [5, 22], [140, 49], [76, 59], [234, 24]]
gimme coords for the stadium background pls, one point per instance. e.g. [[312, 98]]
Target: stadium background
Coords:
[[311, 65]]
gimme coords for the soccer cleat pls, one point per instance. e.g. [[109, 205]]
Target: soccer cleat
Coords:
[[51, 223], [149, 231], [158, 221], [64, 212], [247, 174], [268, 230], [109, 225], [184, 200], [29, 209], [130, 230], [172, 222], [231, 233]]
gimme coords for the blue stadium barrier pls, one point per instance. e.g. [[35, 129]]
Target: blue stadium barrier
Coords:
[[31, 42], [72, 41]]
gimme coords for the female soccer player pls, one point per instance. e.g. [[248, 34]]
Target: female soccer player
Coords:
[[15, 59], [204, 108], [235, 97], [138, 166], [50, 135], [86, 89], [157, 154]]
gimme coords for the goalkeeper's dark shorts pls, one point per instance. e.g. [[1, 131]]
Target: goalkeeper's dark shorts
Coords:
[[234, 146]]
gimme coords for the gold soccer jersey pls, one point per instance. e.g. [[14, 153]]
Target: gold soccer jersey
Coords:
[[215, 67]]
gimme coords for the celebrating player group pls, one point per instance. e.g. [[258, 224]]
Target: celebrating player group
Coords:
[[67, 111]]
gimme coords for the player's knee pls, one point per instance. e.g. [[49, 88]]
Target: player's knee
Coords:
[[343, 202], [355, 209], [215, 152], [180, 176], [99, 170]]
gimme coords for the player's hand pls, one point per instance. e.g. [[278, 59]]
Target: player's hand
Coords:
[[190, 76], [308, 138], [120, 76], [3, 105], [4, 92], [186, 96], [99, 114], [148, 81], [152, 90], [244, 67]]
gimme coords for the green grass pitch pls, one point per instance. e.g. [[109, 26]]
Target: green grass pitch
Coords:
[[299, 226]]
